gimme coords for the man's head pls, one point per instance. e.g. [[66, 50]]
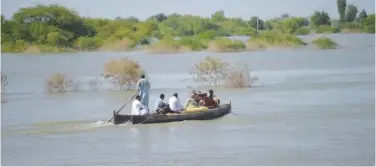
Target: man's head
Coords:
[[138, 97], [210, 91], [193, 93], [161, 96], [175, 94], [142, 75]]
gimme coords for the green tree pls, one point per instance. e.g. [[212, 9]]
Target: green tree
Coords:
[[158, 17], [320, 18], [351, 13], [218, 16], [369, 24], [362, 16], [56, 39], [54, 15], [292, 24], [341, 7], [253, 23]]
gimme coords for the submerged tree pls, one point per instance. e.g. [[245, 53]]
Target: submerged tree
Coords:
[[59, 82], [214, 72], [4, 83], [211, 71], [123, 72]]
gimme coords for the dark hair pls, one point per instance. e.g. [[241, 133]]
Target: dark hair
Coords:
[[161, 96], [210, 93], [175, 94], [142, 75], [138, 97]]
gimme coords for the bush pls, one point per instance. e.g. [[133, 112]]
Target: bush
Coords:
[[7, 47], [123, 72], [303, 31], [4, 83], [19, 46], [273, 39], [167, 45], [351, 28], [59, 82], [194, 43], [118, 45], [211, 71], [95, 83], [226, 45], [53, 49], [238, 77], [214, 72], [324, 43], [327, 29], [87, 43], [369, 24]]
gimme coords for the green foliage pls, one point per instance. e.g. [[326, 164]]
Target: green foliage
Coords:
[[275, 39], [320, 18], [362, 16], [325, 43], [326, 29], [341, 6], [167, 45], [88, 43], [351, 13], [226, 45], [303, 31], [194, 43], [291, 25], [369, 24], [253, 23], [54, 28]]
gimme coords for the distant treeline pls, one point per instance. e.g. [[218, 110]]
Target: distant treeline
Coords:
[[54, 28]]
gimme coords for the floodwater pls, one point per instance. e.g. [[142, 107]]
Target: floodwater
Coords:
[[316, 108]]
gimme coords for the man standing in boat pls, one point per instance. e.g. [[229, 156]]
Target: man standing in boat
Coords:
[[143, 87]]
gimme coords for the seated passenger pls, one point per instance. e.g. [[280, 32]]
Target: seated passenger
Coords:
[[193, 100], [210, 101], [160, 103], [161, 107], [174, 104], [138, 108]]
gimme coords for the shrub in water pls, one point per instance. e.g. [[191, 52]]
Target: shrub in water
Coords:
[[59, 82], [226, 45], [123, 72], [211, 71], [324, 43], [4, 83]]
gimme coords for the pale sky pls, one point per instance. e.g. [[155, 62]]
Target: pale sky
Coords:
[[142, 9]]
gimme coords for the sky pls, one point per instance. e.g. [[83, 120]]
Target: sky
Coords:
[[142, 9]]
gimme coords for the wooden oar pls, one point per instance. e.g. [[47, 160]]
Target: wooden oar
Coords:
[[123, 106]]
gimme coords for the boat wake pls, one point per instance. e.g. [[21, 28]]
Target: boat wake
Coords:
[[66, 127], [101, 123]]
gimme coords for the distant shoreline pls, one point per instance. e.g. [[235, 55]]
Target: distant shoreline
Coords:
[[169, 52], [57, 29]]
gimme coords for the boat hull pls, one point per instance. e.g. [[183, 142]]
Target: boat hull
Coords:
[[212, 113]]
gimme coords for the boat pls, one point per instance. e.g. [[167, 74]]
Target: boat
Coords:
[[208, 114]]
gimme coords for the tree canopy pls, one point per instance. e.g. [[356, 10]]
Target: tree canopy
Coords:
[[54, 26]]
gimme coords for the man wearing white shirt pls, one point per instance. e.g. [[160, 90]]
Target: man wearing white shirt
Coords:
[[174, 103], [138, 108]]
